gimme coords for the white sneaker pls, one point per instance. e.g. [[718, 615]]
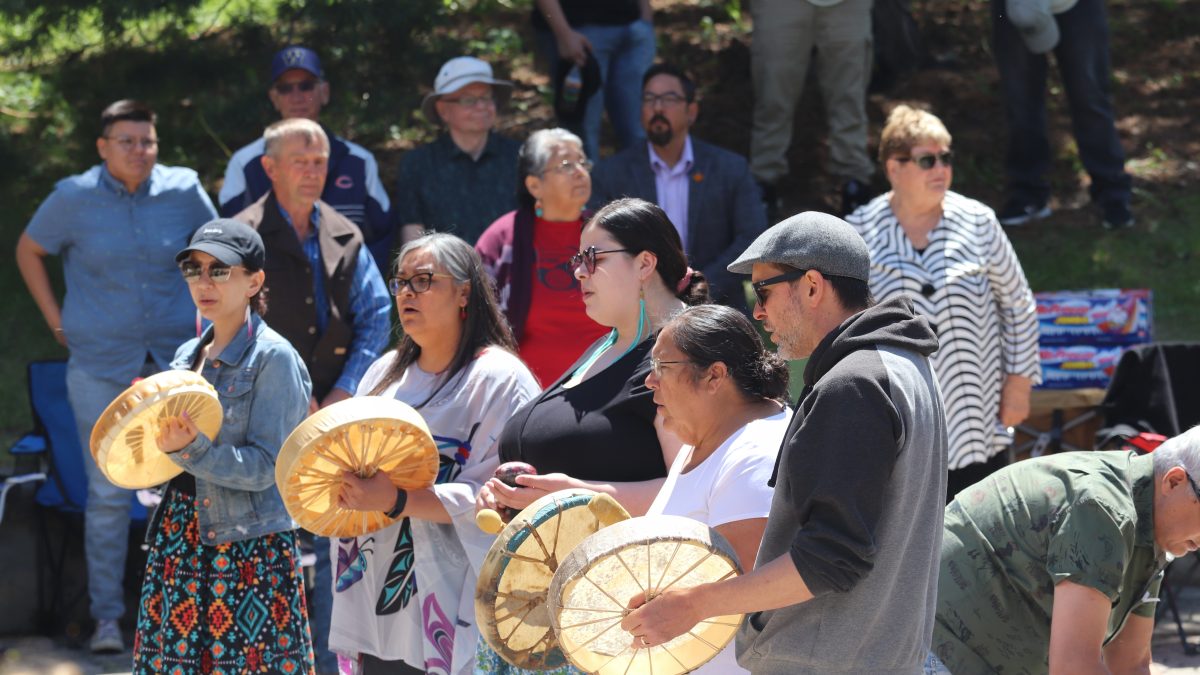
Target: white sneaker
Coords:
[[107, 639]]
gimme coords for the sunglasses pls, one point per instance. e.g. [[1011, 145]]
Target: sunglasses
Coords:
[[760, 287], [587, 258], [218, 273], [285, 88], [927, 162], [657, 364], [419, 283]]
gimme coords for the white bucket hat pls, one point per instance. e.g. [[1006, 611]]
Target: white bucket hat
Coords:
[[457, 73]]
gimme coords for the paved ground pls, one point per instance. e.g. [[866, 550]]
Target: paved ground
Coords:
[[45, 656]]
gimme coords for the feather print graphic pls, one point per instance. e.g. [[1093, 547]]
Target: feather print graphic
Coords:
[[352, 561], [440, 633], [401, 583]]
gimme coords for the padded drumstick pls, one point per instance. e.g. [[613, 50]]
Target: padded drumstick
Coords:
[[489, 521], [607, 510]]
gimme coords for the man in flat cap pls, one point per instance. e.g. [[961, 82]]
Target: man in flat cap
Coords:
[[846, 576]]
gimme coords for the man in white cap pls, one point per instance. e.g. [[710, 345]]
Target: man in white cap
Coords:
[[1024, 32], [352, 187], [846, 576], [467, 178]]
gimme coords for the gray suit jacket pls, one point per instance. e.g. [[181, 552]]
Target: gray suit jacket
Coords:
[[725, 208]]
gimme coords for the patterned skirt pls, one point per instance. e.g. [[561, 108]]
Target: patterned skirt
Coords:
[[232, 608]]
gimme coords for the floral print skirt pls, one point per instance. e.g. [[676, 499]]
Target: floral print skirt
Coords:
[[233, 608]]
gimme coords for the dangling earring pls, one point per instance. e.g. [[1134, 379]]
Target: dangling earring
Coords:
[[197, 322], [462, 313], [537, 208], [249, 325], [642, 318]]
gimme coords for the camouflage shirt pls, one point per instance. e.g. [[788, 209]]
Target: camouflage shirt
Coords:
[[1083, 516]]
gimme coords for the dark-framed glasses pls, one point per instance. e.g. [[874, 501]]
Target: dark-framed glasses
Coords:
[[656, 365], [760, 287], [419, 282], [128, 143], [1193, 484], [305, 86], [927, 162], [567, 167], [587, 258], [667, 100], [472, 101], [218, 273]]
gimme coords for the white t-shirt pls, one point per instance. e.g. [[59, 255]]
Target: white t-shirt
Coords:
[[407, 592], [728, 486]]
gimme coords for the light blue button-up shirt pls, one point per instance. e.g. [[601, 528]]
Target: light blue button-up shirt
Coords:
[[125, 298], [671, 185]]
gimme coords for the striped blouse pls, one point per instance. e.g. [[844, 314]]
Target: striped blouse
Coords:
[[970, 285]]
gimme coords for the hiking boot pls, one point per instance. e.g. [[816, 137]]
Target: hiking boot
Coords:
[[1021, 210], [855, 193], [1117, 215], [107, 639]]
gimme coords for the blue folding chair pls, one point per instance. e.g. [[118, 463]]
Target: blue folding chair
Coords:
[[64, 492]]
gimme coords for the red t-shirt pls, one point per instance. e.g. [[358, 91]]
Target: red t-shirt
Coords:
[[557, 329]]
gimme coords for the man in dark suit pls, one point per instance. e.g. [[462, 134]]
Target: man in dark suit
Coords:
[[708, 192]]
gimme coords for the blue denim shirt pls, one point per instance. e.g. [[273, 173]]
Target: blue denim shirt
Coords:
[[125, 299], [264, 390]]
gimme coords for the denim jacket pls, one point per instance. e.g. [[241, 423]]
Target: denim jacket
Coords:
[[264, 390]]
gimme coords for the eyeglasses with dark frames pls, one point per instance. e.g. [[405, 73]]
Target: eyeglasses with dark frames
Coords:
[[760, 287], [587, 258], [1193, 484], [927, 162], [305, 86], [657, 364], [667, 100], [218, 273], [419, 282]]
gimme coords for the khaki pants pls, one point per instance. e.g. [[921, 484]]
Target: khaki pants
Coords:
[[785, 32]]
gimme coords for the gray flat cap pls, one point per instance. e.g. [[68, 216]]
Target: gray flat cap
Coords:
[[810, 241]]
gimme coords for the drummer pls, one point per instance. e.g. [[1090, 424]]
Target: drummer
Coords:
[[222, 544], [598, 422], [722, 393], [404, 596]]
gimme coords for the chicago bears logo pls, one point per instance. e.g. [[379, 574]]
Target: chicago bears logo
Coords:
[[344, 182]]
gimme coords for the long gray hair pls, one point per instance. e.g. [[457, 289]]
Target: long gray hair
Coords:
[[484, 326]]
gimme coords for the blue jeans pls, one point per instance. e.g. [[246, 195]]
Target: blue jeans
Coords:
[[106, 515], [321, 613], [1083, 64], [934, 665], [624, 54]]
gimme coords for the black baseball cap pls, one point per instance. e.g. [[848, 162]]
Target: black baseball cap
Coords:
[[230, 241]]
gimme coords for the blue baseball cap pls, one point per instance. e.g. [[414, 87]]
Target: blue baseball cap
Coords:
[[296, 56]]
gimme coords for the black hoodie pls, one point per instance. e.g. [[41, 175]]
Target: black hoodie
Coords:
[[859, 487]]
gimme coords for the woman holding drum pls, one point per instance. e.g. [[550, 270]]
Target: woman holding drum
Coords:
[[404, 595], [223, 586], [722, 393], [598, 423]]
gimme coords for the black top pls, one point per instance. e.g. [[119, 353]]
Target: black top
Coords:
[[584, 12], [602, 429]]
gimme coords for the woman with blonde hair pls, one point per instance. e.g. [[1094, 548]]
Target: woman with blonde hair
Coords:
[[949, 254]]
